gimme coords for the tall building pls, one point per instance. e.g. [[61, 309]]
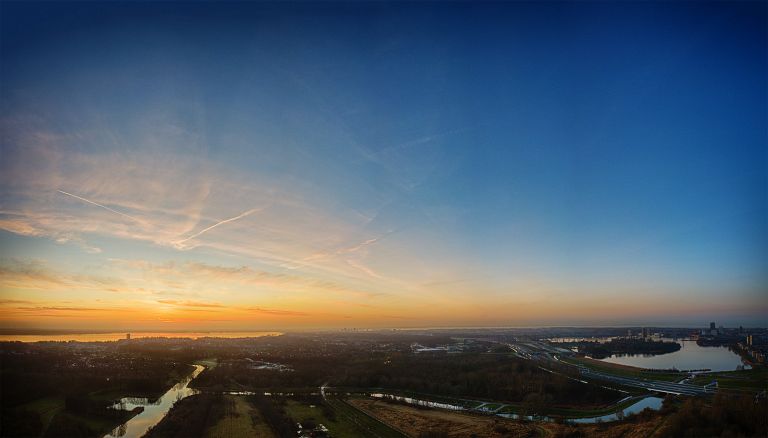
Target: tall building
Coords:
[[749, 340], [128, 336], [712, 326]]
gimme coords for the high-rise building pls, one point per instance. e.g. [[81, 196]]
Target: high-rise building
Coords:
[[128, 336], [712, 326], [749, 340]]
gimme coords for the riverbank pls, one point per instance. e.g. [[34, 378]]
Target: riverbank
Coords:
[[153, 411]]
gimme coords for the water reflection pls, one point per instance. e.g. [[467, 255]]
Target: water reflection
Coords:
[[647, 402], [690, 357], [154, 411], [415, 401], [108, 337]]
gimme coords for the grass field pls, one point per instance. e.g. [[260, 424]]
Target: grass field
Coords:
[[240, 419], [364, 421], [438, 422], [348, 422], [302, 412], [755, 379], [622, 370], [47, 408], [575, 413]]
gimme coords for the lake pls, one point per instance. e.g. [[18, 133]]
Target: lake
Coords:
[[116, 336], [153, 412], [690, 357]]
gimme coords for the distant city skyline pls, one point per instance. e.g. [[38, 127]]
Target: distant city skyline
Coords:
[[279, 166]]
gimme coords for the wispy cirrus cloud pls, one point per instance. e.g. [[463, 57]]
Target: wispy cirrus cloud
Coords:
[[169, 198], [276, 312], [99, 205], [190, 303], [286, 239], [187, 275], [61, 309], [180, 243]]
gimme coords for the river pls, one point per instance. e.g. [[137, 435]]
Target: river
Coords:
[[137, 426]]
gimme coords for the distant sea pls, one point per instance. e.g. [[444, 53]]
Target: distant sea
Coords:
[[107, 337]]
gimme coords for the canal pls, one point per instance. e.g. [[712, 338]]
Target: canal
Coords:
[[153, 412]]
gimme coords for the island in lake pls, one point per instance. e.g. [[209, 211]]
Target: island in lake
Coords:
[[599, 350]]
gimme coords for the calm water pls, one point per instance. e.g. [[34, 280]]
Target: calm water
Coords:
[[103, 337], [415, 401], [153, 412], [647, 402], [690, 357]]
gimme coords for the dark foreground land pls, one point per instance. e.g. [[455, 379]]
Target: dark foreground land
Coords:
[[321, 385]]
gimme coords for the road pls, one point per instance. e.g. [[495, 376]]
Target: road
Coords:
[[539, 351], [651, 385]]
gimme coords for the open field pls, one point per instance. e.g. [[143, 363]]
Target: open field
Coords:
[[415, 421], [343, 422], [418, 421], [755, 379], [46, 408], [371, 425], [574, 412], [622, 370], [240, 419]]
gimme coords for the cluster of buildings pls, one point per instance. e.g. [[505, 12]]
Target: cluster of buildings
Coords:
[[643, 333], [713, 330], [751, 343], [754, 346]]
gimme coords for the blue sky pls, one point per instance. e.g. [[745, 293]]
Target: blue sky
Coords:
[[421, 164]]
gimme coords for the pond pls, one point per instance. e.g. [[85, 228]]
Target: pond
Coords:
[[690, 357], [647, 402], [153, 411]]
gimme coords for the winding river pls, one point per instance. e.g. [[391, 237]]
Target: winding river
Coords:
[[153, 412]]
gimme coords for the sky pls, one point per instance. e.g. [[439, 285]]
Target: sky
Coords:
[[262, 166]]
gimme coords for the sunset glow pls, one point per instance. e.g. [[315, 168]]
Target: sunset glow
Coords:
[[382, 168]]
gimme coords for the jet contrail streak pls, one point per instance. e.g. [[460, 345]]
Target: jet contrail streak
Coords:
[[240, 216], [98, 205]]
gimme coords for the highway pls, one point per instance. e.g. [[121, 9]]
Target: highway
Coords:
[[542, 352], [651, 385]]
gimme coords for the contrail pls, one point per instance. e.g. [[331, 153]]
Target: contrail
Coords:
[[98, 205], [232, 219]]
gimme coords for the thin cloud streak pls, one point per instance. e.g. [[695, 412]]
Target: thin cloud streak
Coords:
[[99, 205], [240, 216]]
